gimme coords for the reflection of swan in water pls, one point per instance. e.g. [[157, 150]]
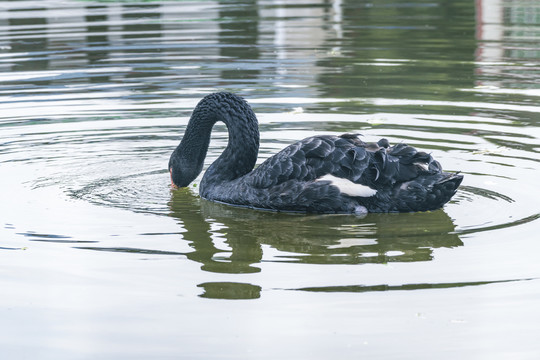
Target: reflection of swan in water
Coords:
[[314, 239]]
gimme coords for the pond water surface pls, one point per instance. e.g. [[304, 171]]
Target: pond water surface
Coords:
[[101, 259]]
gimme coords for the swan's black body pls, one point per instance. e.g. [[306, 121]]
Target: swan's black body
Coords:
[[323, 174]]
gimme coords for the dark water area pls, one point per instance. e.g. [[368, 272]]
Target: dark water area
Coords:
[[101, 259]]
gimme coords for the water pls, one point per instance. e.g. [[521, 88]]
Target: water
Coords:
[[100, 259]]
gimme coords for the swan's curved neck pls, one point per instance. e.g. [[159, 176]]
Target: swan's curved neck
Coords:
[[238, 158]]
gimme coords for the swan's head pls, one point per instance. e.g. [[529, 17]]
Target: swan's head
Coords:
[[182, 171]]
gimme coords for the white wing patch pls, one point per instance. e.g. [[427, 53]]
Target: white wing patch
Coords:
[[347, 187], [422, 166]]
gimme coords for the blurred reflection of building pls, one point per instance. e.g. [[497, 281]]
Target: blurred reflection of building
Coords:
[[299, 35], [507, 34]]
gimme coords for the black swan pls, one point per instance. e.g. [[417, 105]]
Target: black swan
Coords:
[[320, 174]]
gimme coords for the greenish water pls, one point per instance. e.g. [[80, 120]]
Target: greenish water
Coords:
[[101, 259]]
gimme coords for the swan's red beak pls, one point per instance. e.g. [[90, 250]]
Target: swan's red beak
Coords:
[[172, 183]]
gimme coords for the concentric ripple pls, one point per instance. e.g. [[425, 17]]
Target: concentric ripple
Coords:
[[96, 95], [125, 161], [139, 192]]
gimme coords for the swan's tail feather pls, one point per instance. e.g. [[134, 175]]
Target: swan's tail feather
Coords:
[[428, 192]]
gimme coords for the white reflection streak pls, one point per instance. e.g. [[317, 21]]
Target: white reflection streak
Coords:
[[489, 28], [280, 36], [337, 6]]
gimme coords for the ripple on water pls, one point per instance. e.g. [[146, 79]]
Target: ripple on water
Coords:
[[149, 191], [138, 192], [125, 160]]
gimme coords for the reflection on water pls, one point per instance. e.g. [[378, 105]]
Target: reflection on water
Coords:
[[230, 290], [370, 288], [310, 239]]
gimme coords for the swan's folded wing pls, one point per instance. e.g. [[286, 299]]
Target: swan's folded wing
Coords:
[[399, 163], [311, 159]]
